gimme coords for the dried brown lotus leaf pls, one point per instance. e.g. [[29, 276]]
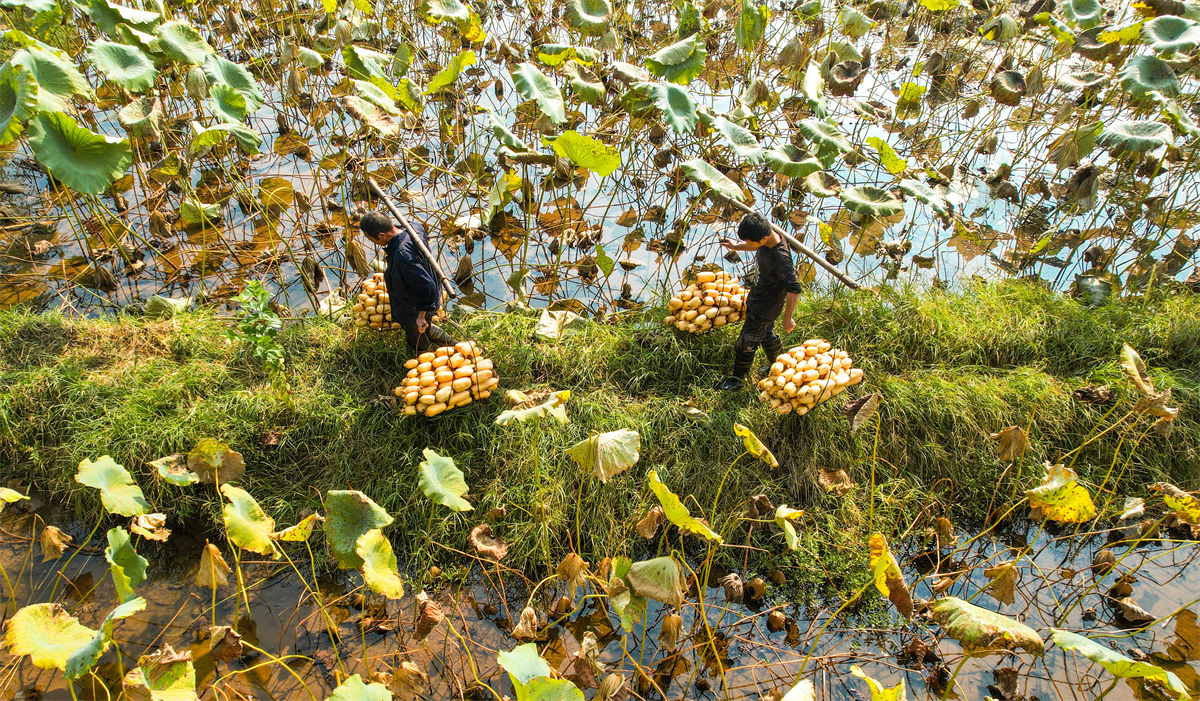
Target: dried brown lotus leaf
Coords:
[[151, 527], [429, 614], [648, 526], [527, 627], [757, 588], [1004, 578], [214, 571], [835, 481], [481, 539], [53, 542], [1011, 443], [734, 589], [408, 681], [224, 644], [668, 633], [776, 621], [573, 570], [610, 688]]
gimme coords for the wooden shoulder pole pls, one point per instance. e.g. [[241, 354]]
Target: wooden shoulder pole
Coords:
[[378, 192]]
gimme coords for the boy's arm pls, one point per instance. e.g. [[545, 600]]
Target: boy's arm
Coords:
[[731, 245], [788, 310]]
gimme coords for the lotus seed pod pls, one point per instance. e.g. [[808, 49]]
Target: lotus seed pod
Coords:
[[776, 621], [734, 590], [196, 83]]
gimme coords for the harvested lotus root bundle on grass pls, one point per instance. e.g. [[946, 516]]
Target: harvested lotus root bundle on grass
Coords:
[[449, 377], [374, 307], [807, 375], [716, 299]]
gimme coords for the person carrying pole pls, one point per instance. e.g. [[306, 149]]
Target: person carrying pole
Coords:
[[776, 290], [412, 285]]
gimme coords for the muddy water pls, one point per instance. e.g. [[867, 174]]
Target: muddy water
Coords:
[[372, 636]]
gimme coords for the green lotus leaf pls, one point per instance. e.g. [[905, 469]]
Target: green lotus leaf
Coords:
[[554, 407], [523, 664], [535, 85], [1000, 29], [980, 631], [878, 692], [107, 15], [660, 579], [348, 515], [246, 137], [365, 64], [1117, 664], [182, 43], [409, 94], [681, 62], [888, 158], [1060, 496], [1084, 14], [1135, 137], [677, 513], [547, 689], [37, 6], [585, 152], [18, 101], [379, 564], [703, 172], [813, 88], [589, 17], [1124, 33], [871, 201], [829, 142], [751, 25], [558, 54], [607, 454], [371, 93], [128, 569], [1143, 74], [246, 524], [1089, 81], [1180, 121], [47, 633], [450, 73], [10, 496], [301, 531], [854, 23], [86, 656], [308, 58], [584, 83], [124, 65], [57, 78], [1069, 148], [193, 211], [227, 103], [1064, 35], [823, 184], [738, 138], [784, 518], [173, 468], [146, 43], [505, 135], [354, 689], [168, 675], [754, 445], [143, 117], [791, 161], [691, 20], [222, 70], [679, 109], [1170, 34], [118, 492], [438, 11], [441, 480], [924, 193]]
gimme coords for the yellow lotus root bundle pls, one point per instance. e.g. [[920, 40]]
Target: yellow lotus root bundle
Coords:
[[714, 300], [374, 307], [451, 376], [807, 375]]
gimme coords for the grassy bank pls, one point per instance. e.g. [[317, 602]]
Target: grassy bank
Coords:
[[952, 367]]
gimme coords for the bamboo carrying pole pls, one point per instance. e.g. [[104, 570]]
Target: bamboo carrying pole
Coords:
[[378, 192], [801, 248]]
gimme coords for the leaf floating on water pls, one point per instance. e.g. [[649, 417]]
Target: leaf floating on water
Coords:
[[224, 644], [1011, 443], [408, 681], [85, 657], [214, 571], [1133, 613], [676, 512], [354, 689], [803, 691], [1060, 497], [982, 632], [889, 580], [859, 411], [1004, 578], [1117, 664]]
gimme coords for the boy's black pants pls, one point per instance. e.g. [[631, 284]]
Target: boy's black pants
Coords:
[[756, 331]]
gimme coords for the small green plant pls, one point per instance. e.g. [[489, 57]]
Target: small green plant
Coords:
[[259, 326]]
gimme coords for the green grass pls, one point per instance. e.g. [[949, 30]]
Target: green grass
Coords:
[[952, 367]]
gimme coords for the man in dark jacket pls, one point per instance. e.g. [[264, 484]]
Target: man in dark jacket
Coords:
[[412, 286], [776, 284]]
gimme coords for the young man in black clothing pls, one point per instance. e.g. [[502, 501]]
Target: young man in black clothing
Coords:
[[776, 281], [412, 286]]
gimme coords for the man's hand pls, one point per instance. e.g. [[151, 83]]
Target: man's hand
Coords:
[[729, 244], [789, 325], [422, 325]]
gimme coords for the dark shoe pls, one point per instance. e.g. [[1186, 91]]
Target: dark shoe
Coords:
[[729, 384]]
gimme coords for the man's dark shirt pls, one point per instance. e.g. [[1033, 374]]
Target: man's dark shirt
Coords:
[[776, 278], [411, 284]]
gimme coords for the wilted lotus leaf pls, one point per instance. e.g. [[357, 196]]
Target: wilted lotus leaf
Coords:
[[838, 481], [784, 518], [10, 496], [212, 460], [589, 17], [437, 11], [301, 531], [889, 580], [753, 445], [908, 104], [701, 171], [86, 656], [791, 161], [408, 681], [980, 631], [1117, 664], [803, 691], [1004, 578], [1185, 506], [584, 83], [128, 569], [118, 492], [214, 571], [871, 201], [573, 570], [527, 627], [648, 526], [553, 407], [1011, 443], [681, 62], [481, 539], [668, 632], [607, 454], [1171, 34], [609, 687], [442, 481], [169, 675], [1151, 401], [348, 515], [1060, 497], [151, 527], [845, 78], [878, 693], [53, 542], [660, 579], [1000, 29], [534, 85], [760, 505], [354, 689], [1070, 148], [1142, 75], [429, 614], [1008, 87], [1087, 81], [1130, 610], [677, 513], [247, 525], [379, 564], [224, 644], [1135, 137], [860, 410], [173, 469], [47, 633], [888, 158], [944, 530]]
